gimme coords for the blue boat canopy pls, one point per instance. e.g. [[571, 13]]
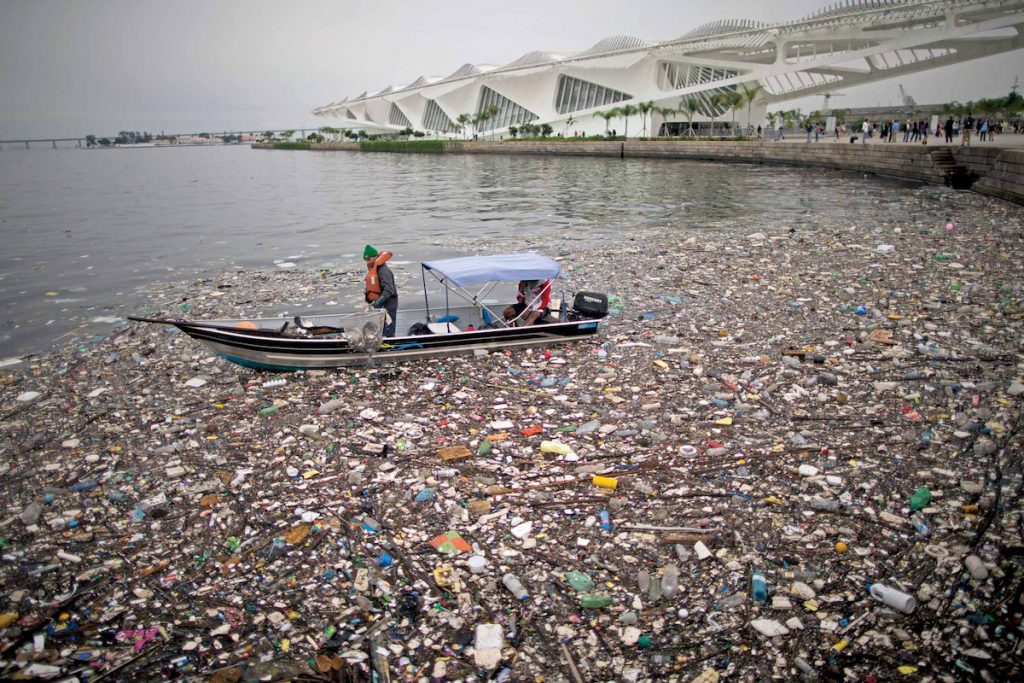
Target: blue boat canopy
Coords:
[[476, 270]]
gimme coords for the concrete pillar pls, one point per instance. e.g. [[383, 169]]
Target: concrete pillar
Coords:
[[54, 143], [26, 145]]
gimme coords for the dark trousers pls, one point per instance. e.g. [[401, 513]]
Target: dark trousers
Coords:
[[392, 309]]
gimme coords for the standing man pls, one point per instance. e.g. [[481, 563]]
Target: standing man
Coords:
[[948, 128], [380, 286]]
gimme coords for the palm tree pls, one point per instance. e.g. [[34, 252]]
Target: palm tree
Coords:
[[749, 94], [476, 120], [688, 106], [645, 108], [492, 115], [625, 112], [714, 102], [462, 121], [664, 112], [732, 99], [607, 116], [568, 122]]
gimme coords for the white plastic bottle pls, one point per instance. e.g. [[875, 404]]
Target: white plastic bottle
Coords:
[[515, 587], [670, 581]]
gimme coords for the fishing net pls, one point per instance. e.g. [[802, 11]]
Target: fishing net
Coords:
[[364, 331]]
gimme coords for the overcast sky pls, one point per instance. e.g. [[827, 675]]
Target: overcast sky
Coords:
[[72, 67]]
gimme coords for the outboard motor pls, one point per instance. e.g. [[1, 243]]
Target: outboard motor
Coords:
[[590, 305]]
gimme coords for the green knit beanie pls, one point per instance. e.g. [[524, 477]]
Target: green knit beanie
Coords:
[[369, 251]]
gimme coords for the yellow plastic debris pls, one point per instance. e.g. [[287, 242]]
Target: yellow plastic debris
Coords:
[[907, 669], [605, 482], [725, 421]]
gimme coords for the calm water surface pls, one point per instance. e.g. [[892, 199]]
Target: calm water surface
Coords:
[[84, 231]]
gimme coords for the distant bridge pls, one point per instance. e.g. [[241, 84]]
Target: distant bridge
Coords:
[[81, 141]]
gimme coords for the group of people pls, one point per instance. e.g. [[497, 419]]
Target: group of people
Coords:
[[533, 298], [918, 131]]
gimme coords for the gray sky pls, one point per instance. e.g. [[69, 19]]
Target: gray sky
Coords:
[[72, 67]]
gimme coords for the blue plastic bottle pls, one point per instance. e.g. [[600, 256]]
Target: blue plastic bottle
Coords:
[[758, 587], [606, 522]]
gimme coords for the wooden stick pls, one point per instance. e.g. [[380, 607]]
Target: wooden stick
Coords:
[[571, 664]]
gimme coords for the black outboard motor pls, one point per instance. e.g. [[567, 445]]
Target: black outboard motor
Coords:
[[590, 305]]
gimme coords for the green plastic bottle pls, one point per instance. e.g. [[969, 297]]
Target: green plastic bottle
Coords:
[[485, 447], [580, 581], [921, 498], [595, 600]]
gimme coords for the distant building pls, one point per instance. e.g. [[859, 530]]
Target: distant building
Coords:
[[849, 44]]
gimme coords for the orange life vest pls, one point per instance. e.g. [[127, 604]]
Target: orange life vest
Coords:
[[373, 288]]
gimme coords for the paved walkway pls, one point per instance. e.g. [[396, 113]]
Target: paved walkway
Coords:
[[1004, 141]]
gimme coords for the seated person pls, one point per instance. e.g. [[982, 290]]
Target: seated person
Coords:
[[532, 303]]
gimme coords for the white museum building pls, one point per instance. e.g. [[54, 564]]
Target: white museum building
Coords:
[[688, 81]]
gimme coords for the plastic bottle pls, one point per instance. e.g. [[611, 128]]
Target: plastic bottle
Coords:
[[644, 488], [270, 383], [555, 447], [818, 503], [670, 581], [579, 581], [331, 406], [894, 598], [976, 567], [606, 522], [643, 580], [921, 526], [759, 587], [85, 485], [515, 587], [445, 473], [595, 601], [31, 513], [654, 593], [733, 600]]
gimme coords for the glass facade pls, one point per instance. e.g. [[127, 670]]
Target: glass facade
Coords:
[[509, 113], [434, 118], [397, 118], [574, 95]]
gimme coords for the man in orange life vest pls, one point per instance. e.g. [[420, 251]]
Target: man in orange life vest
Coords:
[[380, 286]]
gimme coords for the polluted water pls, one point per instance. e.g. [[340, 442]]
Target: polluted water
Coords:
[[793, 454]]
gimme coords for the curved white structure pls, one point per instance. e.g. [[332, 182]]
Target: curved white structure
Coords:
[[844, 45]]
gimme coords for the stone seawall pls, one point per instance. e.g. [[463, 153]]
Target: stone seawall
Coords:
[[989, 170]]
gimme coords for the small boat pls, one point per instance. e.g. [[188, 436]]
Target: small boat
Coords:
[[347, 339]]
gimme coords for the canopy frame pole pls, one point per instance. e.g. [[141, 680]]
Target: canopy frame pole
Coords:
[[426, 297]]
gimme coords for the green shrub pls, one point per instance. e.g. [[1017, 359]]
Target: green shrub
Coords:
[[291, 145], [424, 146]]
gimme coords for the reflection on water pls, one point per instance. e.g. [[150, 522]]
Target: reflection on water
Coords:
[[82, 229]]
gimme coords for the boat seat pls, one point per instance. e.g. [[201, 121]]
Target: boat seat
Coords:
[[443, 328]]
